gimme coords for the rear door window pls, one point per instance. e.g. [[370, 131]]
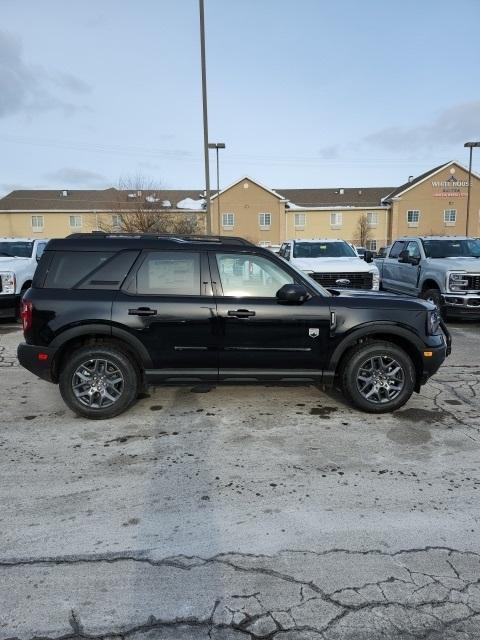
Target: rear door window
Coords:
[[174, 273]]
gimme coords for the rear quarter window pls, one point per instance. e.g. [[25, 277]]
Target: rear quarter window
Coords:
[[68, 268]]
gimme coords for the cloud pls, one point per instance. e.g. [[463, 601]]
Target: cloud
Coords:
[[27, 88], [329, 153], [452, 126], [69, 176]]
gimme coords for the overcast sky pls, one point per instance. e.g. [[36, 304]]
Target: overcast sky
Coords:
[[307, 93]]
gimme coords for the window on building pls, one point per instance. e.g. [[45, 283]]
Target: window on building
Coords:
[[75, 222], [265, 220], [371, 245], [336, 220], [116, 221], [300, 220], [228, 221], [372, 218], [450, 216], [37, 223], [174, 273], [413, 217]]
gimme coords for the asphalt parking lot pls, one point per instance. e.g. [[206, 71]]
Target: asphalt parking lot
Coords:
[[242, 512]]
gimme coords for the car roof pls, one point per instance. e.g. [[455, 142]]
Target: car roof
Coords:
[[317, 240], [5, 239], [98, 241], [434, 238]]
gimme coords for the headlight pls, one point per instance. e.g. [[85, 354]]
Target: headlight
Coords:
[[433, 322], [375, 281], [457, 282], [8, 282]]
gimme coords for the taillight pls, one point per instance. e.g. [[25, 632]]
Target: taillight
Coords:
[[26, 314]]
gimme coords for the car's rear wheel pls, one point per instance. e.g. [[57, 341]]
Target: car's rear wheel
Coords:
[[378, 377], [99, 382]]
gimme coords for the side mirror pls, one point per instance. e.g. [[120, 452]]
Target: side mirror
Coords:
[[368, 256], [403, 257], [292, 294]]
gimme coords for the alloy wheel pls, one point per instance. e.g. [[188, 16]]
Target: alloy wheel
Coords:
[[380, 379], [97, 383]]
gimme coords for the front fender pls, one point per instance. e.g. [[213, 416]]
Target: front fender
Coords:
[[370, 329]]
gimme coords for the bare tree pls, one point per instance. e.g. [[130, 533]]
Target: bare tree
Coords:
[[363, 231], [141, 208]]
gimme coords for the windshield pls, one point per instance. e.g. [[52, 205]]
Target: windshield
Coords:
[[323, 250], [16, 249], [467, 248], [312, 283]]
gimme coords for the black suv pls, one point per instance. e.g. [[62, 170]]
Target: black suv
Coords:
[[108, 314]]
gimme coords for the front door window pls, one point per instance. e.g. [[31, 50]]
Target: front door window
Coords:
[[244, 275]]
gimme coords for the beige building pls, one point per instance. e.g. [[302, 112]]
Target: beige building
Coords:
[[432, 203]]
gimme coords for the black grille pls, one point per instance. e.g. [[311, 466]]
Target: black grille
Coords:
[[356, 280], [473, 282]]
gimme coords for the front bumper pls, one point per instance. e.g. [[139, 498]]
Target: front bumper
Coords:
[[434, 356], [8, 304], [38, 360], [463, 304]]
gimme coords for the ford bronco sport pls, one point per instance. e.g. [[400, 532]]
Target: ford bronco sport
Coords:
[[108, 314]]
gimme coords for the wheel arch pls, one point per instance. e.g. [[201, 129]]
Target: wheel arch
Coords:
[[399, 336], [86, 335], [430, 283]]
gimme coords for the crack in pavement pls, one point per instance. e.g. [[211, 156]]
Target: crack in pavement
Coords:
[[420, 593]]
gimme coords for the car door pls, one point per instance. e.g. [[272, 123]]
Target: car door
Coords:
[[409, 271], [168, 305], [390, 270], [260, 337]]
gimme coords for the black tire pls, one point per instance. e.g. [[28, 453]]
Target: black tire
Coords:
[[434, 295], [119, 361], [356, 389]]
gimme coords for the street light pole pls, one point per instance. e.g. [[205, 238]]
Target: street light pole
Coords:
[[217, 146], [470, 146], [205, 116]]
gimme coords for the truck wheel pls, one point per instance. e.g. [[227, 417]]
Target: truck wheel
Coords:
[[434, 296], [378, 377], [99, 382]]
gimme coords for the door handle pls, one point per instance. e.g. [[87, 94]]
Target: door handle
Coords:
[[142, 311], [241, 313]]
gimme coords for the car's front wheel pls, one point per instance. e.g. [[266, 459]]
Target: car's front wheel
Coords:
[[378, 377], [99, 382]]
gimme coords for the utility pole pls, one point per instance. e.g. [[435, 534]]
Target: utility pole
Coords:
[[470, 146], [205, 116], [217, 146]]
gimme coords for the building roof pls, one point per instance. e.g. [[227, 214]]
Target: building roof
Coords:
[[414, 181], [348, 197], [93, 199]]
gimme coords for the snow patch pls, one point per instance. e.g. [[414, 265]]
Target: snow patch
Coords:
[[189, 203]]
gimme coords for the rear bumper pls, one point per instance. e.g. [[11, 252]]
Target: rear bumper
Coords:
[[8, 305], [38, 360]]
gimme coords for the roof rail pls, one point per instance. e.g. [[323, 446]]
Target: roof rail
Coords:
[[163, 236]]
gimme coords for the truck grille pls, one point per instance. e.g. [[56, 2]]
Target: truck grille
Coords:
[[356, 280], [473, 282]]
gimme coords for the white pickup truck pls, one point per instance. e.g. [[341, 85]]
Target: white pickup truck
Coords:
[[332, 263], [18, 261]]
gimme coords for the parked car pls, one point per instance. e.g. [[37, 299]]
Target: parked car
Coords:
[[18, 261], [108, 314], [332, 263], [444, 270], [381, 253]]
